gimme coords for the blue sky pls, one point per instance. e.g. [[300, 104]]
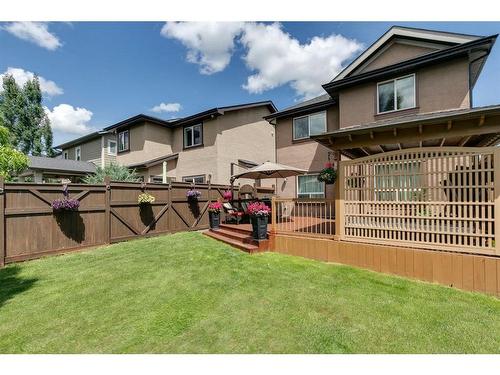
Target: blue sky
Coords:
[[100, 73]]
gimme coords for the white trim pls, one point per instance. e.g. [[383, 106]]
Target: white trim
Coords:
[[78, 148], [308, 124], [309, 174], [192, 135], [437, 36], [395, 96], [109, 148], [118, 141], [102, 152]]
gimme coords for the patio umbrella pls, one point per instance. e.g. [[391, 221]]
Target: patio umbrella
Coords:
[[269, 170]]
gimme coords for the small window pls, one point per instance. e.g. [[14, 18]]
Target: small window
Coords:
[[65, 155], [308, 186], [194, 179], [123, 141], [78, 153], [193, 135], [396, 94], [305, 126], [111, 147]]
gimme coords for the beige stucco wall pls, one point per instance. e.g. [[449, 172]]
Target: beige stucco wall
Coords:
[[108, 159], [90, 151], [308, 155], [394, 53], [147, 141], [438, 87]]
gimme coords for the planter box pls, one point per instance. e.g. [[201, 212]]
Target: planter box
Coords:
[[214, 218], [259, 227]]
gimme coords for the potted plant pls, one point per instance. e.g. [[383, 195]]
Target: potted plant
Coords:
[[259, 213], [214, 209], [66, 203], [145, 198], [328, 175], [227, 195], [193, 195]]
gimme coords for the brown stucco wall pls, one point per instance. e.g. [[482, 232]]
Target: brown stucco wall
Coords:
[[90, 151], [308, 154], [440, 87]]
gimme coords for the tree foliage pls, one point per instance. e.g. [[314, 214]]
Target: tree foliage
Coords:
[[115, 172], [12, 161], [22, 113]]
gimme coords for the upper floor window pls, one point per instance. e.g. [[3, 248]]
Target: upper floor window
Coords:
[[305, 126], [78, 153], [193, 135], [396, 94], [123, 141], [111, 147]]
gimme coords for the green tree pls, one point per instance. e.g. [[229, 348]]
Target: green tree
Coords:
[[12, 161], [115, 172], [23, 115]]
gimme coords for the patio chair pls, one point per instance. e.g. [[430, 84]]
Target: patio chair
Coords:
[[232, 213], [285, 214]]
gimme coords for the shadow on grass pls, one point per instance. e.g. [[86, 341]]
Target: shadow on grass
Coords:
[[11, 284]]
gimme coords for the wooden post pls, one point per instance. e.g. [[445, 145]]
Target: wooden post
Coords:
[[2, 223], [169, 209], [339, 190], [496, 211], [107, 209], [274, 214]]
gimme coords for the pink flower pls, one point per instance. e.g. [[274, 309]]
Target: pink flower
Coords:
[[258, 209]]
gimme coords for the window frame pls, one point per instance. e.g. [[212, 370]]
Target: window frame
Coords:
[[200, 124], [395, 95], [118, 141], [65, 155], [316, 197], [109, 148], [78, 153], [308, 116], [184, 178]]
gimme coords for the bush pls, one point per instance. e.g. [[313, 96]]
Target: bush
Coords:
[[115, 172]]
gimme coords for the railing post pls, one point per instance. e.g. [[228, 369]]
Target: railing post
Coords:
[[339, 190], [273, 214], [107, 209], [2, 223], [496, 211]]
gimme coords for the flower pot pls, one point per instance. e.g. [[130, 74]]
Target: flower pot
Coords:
[[259, 227], [214, 218]]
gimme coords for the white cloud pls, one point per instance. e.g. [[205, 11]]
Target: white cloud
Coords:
[[69, 119], [34, 32], [209, 44], [280, 59], [21, 76], [167, 107]]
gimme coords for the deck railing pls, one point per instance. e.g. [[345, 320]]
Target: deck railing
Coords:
[[439, 198], [311, 217]]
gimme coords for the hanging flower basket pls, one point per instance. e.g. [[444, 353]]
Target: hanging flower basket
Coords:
[[193, 195], [145, 198], [227, 195], [328, 175], [66, 203]]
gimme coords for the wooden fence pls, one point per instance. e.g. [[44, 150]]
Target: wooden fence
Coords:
[[108, 213], [437, 198]]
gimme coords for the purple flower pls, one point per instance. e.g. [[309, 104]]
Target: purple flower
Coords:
[[65, 204], [193, 194]]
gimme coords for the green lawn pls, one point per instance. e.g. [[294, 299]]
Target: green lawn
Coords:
[[188, 293]]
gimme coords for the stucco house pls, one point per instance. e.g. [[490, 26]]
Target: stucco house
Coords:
[[209, 144], [408, 78]]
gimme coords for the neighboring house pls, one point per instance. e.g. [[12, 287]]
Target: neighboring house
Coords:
[[408, 77], [192, 149], [43, 169]]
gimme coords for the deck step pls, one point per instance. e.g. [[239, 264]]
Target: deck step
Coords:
[[239, 236], [239, 244], [236, 228]]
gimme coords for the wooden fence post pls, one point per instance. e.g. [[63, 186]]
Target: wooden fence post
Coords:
[[2, 223], [169, 212], [496, 210], [274, 214], [339, 190], [107, 212]]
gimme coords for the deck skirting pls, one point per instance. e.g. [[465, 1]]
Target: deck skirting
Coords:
[[479, 273]]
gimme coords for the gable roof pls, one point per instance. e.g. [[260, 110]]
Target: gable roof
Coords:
[[407, 33]]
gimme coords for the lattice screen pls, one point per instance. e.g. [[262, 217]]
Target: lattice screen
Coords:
[[429, 197]]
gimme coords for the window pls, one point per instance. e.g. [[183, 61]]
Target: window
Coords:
[[193, 135], [111, 147], [78, 153], [305, 126], [308, 186], [123, 141], [65, 155], [396, 94], [194, 179]]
